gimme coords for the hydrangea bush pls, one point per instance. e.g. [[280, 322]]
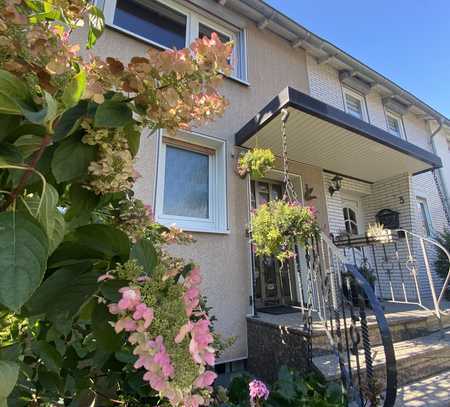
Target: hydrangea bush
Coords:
[[93, 310]]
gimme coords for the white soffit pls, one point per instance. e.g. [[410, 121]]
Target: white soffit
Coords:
[[320, 143]]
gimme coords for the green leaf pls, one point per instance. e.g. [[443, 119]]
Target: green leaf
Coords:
[[105, 239], [14, 94], [145, 254], [75, 89], [69, 121], [23, 258], [9, 373], [133, 137], [83, 201], [106, 337], [10, 154], [56, 235], [44, 115], [112, 114], [71, 160], [28, 144], [69, 253], [49, 355], [64, 292], [45, 210], [96, 26], [8, 124]]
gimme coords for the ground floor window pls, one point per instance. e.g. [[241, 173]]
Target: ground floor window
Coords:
[[423, 213], [191, 187]]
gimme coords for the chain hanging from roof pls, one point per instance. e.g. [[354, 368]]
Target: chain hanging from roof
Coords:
[[289, 195]]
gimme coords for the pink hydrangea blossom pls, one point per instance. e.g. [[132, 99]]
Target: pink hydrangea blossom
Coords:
[[125, 324], [205, 379], [131, 297], [145, 313], [258, 390]]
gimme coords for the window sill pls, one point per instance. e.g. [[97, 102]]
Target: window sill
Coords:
[[194, 229]]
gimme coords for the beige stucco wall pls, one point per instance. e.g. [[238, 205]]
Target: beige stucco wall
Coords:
[[224, 258]]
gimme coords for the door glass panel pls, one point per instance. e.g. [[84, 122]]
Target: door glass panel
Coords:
[[153, 21], [276, 192], [253, 195], [263, 193], [270, 277]]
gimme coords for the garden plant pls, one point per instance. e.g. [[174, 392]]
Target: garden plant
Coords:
[[93, 310]]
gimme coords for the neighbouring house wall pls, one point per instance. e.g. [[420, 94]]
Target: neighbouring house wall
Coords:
[[224, 258], [325, 85]]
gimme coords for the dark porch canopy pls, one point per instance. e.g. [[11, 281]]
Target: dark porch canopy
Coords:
[[324, 136]]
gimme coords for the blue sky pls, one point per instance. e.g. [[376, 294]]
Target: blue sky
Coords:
[[408, 41]]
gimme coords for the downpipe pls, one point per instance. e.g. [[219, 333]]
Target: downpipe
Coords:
[[442, 185]]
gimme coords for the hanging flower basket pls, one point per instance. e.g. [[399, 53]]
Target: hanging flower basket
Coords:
[[256, 162], [278, 225]]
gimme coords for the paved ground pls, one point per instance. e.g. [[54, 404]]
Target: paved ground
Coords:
[[431, 392]]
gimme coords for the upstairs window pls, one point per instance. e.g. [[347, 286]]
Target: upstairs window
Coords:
[[167, 25], [394, 124], [154, 21], [355, 104], [423, 213]]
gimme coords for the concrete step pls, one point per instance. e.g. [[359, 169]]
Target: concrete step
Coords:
[[403, 326], [433, 391], [417, 358]]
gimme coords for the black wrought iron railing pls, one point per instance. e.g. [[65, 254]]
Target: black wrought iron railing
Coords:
[[341, 297]]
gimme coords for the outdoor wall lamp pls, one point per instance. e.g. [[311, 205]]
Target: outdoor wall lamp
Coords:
[[336, 184]]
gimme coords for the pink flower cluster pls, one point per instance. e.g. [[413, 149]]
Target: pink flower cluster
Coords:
[[135, 317], [258, 390]]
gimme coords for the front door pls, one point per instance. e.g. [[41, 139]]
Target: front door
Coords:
[[274, 285]]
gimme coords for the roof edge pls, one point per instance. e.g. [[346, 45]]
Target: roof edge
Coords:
[[290, 97]]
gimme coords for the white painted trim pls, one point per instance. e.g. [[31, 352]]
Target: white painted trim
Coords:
[[346, 90], [238, 36], [217, 221], [399, 119]]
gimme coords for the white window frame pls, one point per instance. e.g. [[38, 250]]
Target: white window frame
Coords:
[[428, 220], [217, 221], [356, 95], [193, 19], [399, 119]]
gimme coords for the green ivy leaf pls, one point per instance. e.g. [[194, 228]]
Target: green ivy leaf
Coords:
[[23, 258], [28, 144], [145, 254], [105, 239], [9, 373], [96, 26], [64, 292], [112, 114], [70, 120], [75, 89], [71, 160]]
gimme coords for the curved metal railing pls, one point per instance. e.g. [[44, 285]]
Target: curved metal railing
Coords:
[[402, 265], [342, 298]]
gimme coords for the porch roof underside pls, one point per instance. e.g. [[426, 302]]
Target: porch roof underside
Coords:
[[327, 137]]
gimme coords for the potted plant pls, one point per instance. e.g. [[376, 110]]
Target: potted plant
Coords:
[[278, 225], [377, 233], [255, 162]]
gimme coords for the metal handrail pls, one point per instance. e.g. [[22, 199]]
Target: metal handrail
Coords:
[[331, 285], [447, 279]]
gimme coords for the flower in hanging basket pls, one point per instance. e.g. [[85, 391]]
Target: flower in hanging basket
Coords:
[[278, 225], [256, 162]]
